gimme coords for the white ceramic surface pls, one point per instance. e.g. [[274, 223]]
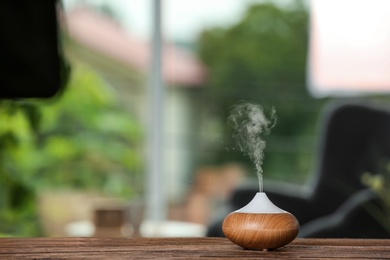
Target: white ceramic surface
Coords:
[[261, 204]]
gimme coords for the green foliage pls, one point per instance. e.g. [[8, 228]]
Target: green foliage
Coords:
[[87, 140], [18, 214], [81, 140], [262, 59]]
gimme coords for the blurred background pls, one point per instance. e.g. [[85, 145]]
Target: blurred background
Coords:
[[81, 163]]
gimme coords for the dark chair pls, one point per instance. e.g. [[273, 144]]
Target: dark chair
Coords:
[[335, 203]]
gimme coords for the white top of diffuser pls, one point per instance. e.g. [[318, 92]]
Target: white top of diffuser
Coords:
[[261, 204]]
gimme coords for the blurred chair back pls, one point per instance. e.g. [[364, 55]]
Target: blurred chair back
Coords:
[[356, 140]]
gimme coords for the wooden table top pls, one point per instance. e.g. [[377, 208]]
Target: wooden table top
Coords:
[[188, 248]]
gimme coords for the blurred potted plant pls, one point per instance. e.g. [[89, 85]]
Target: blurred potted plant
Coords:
[[380, 184]]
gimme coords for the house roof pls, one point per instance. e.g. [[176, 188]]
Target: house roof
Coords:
[[103, 35]]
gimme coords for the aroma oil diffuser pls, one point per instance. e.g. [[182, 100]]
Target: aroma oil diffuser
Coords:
[[260, 225]]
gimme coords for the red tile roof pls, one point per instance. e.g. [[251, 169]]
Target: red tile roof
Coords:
[[100, 33]]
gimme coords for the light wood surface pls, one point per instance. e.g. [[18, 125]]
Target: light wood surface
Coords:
[[260, 231], [187, 248]]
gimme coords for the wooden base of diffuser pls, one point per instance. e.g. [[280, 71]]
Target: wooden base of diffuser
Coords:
[[260, 230]]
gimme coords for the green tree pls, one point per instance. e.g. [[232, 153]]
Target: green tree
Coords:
[[262, 59]]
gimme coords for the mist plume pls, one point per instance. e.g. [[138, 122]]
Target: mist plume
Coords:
[[249, 124]]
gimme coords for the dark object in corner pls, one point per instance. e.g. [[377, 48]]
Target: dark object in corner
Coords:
[[31, 65]]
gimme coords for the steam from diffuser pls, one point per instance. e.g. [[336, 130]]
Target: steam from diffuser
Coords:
[[249, 124]]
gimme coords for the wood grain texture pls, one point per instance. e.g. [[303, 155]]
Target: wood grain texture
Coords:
[[187, 248], [260, 231]]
